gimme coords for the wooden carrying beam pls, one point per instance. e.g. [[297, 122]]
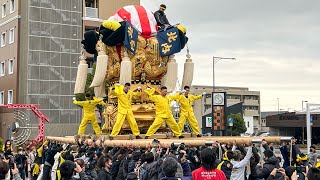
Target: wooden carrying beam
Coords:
[[187, 141]]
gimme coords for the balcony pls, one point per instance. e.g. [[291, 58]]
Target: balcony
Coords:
[[91, 12], [249, 102], [251, 113]]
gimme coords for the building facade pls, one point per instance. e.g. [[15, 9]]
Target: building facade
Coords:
[[294, 124], [40, 49], [250, 103]]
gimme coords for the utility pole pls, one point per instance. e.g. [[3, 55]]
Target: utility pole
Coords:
[[278, 106], [303, 125]]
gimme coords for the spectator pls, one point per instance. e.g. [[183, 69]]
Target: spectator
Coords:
[[208, 168], [239, 164], [313, 174], [4, 169], [312, 156], [271, 162], [277, 174], [169, 167], [21, 162], [104, 164], [226, 166], [289, 172], [68, 168]]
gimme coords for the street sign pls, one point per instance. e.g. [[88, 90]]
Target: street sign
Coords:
[[230, 121], [208, 122]]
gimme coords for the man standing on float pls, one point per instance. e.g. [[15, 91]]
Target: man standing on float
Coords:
[[89, 113], [125, 96], [186, 112], [163, 112]]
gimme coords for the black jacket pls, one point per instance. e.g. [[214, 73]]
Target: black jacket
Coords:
[[161, 18], [104, 175], [83, 176], [226, 168], [268, 166], [254, 160]]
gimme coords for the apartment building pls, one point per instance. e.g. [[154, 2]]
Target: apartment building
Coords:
[[40, 48], [9, 59], [234, 95]]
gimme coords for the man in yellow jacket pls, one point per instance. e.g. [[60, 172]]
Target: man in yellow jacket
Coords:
[[186, 112], [163, 111], [125, 96], [89, 113]]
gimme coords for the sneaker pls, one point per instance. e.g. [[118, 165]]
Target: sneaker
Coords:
[[181, 137], [111, 138], [199, 135], [138, 137], [147, 137]]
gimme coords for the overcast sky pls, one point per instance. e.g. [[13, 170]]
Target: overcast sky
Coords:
[[276, 43]]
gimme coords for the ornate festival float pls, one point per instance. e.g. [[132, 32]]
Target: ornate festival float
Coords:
[[129, 48]]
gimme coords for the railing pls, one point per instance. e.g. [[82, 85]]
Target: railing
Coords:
[[91, 12]]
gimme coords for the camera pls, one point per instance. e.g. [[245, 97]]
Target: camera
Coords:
[[177, 147]]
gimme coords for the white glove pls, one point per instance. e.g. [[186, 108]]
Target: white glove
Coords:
[[139, 88], [118, 84], [204, 93], [148, 89], [74, 98], [183, 91]]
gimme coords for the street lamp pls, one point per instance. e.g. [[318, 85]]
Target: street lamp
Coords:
[[216, 60]]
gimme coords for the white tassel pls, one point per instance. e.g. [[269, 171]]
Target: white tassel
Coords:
[[100, 91], [101, 66], [81, 75], [170, 78], [125, 70], [188, 71]]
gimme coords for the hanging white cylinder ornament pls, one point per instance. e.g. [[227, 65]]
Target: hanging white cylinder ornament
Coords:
[[101, 65], [188, 72], [125, 70], [100, 91], [82, 74], [170, 78]]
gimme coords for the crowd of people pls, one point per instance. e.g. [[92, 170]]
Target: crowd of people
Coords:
[[89, 159]]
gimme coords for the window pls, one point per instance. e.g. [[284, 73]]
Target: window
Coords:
[[3, 39], [10, 96], [2, 71], [248, 124], [10, 66], [2, 97], [4, 9], [11, 36], [12, 6]]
